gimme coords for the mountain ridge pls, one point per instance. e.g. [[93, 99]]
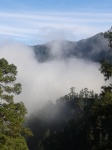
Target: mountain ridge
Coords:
[[93, 48]]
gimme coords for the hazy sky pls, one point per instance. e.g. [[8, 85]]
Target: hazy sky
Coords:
[[38, 21]]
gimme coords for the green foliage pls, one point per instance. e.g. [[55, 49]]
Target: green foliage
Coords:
[[100, 132], [108, 35], [106, 69], [11, 114], [52, 124], [106, 64]]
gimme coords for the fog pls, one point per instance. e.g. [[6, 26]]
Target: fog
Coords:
[[49, 80]]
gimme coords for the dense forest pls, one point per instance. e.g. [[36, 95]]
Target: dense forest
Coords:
[[77, 121]]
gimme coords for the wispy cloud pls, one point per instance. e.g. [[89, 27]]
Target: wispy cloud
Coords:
[[33, 26]]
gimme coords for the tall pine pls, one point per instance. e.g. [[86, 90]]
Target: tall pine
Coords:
[[11, 114]]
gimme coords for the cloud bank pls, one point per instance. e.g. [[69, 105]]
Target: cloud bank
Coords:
[[49, 80]]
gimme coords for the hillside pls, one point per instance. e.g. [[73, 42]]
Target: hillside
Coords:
[[93, 48]]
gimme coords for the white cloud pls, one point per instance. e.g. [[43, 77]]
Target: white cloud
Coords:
[[50, 80], [30, 25]]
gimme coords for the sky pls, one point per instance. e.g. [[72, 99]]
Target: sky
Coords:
[[38, 21]]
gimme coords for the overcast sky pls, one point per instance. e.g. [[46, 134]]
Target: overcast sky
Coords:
[[38, 21]]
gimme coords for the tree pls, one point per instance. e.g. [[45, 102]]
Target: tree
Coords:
[[106, 63], [100, 136], [12, 114]]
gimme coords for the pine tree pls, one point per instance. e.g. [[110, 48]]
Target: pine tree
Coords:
[[11, 114]]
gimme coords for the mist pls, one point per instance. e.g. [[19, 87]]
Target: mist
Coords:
[[49, 80]]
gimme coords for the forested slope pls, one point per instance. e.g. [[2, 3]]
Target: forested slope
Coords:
[[77, 121], [94, 48]]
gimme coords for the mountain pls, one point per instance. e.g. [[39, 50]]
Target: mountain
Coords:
[[94, 48]]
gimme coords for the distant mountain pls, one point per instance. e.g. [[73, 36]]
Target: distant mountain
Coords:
[[94, 48]]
